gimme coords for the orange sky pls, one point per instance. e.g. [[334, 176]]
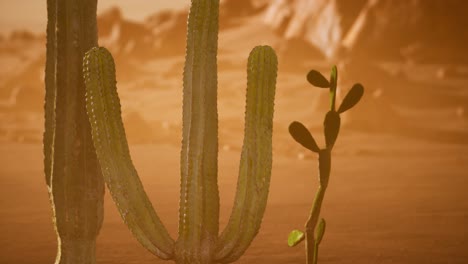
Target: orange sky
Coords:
[[31, 14]]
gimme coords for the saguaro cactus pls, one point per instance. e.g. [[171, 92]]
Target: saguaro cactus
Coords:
[[315, 229], [73, 175], [198, 240]]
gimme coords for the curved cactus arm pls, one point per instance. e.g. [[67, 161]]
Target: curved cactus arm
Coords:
[[199, 197], [256, 159], [103, 106]]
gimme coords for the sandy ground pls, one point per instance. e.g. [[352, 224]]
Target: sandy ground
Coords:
[[390, 200]]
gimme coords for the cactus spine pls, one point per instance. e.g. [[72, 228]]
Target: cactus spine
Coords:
[[73, 176], [315, 228], [198, 240]]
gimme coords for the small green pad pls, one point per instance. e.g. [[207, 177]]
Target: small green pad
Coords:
[[352, 98], [317, 79], [295, 237], [320, 231], [300, 133]]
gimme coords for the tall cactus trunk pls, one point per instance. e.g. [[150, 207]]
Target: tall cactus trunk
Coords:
[[199, 198], [73, 175]]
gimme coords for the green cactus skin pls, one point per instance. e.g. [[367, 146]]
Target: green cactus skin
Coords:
[[103, 103], [311, 242], [199, 197], [319, 232], [314, 233], [256, 158], [73, 175], [198, 240]]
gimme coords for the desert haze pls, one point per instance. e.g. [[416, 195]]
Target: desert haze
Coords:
[[398, 188]]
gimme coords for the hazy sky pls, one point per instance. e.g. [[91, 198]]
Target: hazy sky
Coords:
[[31, 14]]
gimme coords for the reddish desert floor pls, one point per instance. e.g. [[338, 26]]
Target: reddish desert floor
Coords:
[[391, 200]]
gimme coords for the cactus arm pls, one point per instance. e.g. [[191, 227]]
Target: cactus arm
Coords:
[[256, 158], [72, 172], [103, 106], [199, 199]]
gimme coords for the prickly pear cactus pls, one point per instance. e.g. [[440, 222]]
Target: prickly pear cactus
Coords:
[[315, 229], [198, 241], [73, 175]]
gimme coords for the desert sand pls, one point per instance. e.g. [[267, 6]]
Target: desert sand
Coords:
[[390, 200], [398, 188]]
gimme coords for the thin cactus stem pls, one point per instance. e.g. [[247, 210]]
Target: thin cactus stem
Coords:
[[311, 224], [333, 86], [331, 125], [72, 171], [316, 249]]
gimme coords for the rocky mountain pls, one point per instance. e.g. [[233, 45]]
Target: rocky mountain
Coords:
[[357, 34], [430, 31]]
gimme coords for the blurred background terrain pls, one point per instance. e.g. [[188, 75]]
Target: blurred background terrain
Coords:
[[398, 187]]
